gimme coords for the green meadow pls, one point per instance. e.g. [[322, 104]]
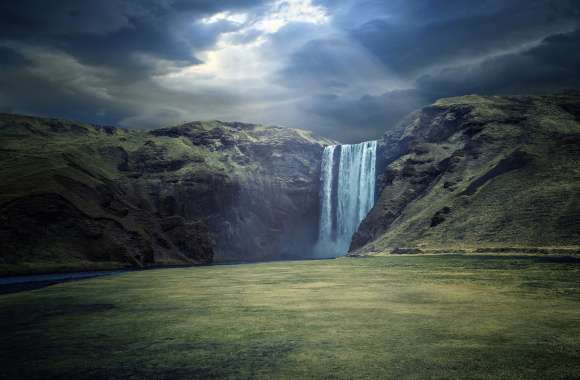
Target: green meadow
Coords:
[[417, 317]]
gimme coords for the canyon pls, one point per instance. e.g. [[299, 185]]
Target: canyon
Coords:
[[467, 173]]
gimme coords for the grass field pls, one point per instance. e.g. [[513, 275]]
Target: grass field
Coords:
[[384, 317]]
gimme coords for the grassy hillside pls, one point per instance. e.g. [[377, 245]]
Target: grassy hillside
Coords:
[[77, 196], [480, 173]]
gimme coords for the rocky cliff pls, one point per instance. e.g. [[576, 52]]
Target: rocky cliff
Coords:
[[77, 196], [479, 173], [464, 173]]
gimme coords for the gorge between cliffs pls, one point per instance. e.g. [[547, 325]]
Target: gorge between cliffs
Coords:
[[289, 190], [78, 196]]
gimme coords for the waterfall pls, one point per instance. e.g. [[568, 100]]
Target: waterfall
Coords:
[[347, 194], [325, 230]]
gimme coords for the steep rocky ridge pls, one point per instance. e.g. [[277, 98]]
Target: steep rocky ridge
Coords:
[[77, 196], [479, 172]]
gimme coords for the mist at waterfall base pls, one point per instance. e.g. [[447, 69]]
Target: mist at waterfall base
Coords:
[[347, 194]]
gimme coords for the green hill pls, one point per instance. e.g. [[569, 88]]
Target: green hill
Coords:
[[77, 196], [479, 173], [464, 174]]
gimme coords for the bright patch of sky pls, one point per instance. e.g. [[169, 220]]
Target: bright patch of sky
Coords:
[[237, 18], [278, 14], [344, 68], [246, 61], [239, 59]]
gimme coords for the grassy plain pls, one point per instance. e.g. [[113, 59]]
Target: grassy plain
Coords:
[[418, 317]]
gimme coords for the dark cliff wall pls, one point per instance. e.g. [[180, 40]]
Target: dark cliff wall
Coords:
[[76, 196], [475, 172]]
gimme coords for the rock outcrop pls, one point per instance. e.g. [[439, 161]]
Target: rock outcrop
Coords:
[[77, 196], [468, 173], [479, 172]]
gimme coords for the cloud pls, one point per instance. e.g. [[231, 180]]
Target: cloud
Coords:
[[550, 66], [339, 65], [368, 117], [426, 35], [118, 33], [347, 69]]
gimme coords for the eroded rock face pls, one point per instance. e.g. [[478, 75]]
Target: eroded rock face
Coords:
[[201, 192], [255, 188], [44, 223], [478, 172]]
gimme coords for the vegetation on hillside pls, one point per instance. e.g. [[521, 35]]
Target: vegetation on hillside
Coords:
[[75, 196], [478, 172]]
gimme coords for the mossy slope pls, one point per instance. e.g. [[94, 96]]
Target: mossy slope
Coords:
[[77, 196], [480, 172]]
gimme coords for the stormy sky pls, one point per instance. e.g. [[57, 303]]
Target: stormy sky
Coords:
[[345, 69]]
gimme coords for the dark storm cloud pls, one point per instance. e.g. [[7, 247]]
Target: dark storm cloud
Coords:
[[24, 88], [549, 67], [115, 32], [350, 77], [368, 117], [11, 59], [127, 41], [415, 41], [315, 65], [443, 48]]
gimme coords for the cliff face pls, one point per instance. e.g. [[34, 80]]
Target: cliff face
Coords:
[[468, 172], [76, 196], [475, 172]]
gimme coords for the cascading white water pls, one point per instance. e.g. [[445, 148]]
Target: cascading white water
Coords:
[[325, 230], [347, 194]]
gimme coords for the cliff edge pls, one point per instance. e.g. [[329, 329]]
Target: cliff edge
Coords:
[[75, 196], [479, 173]]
